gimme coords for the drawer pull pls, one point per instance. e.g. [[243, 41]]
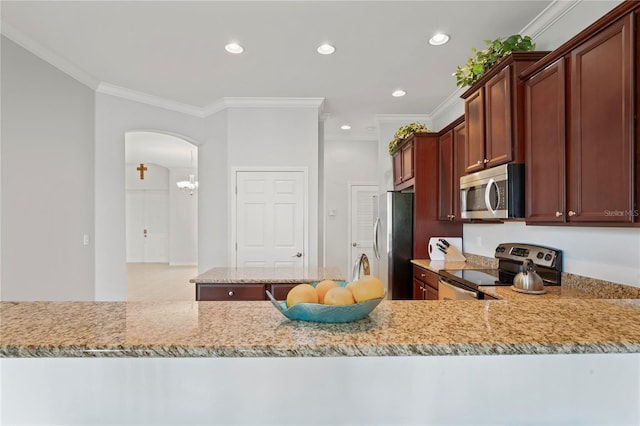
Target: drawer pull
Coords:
[[230, 292], [423, 275], [558, 214]]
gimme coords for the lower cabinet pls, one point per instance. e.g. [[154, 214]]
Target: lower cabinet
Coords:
[[242, 291], [230, 291], [425, 284]]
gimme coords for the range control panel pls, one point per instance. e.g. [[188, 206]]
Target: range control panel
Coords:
[[539, 255]]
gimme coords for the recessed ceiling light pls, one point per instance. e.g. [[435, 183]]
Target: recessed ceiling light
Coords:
[[438, 39], [345, 127], [326, 49], [234, 48], [398, 93]]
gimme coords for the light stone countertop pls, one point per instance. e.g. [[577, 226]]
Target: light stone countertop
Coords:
[[267, 275], [257, 329]]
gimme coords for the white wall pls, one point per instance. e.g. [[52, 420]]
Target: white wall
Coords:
[[346, 162], [213, 197], [114, 118], [183, 220], [47, 181], [607, 253], [279, 137]]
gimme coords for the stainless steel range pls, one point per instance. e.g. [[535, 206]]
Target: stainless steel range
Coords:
[[465, 283]]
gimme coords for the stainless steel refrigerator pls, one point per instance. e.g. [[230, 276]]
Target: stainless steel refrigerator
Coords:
[[393, 242]]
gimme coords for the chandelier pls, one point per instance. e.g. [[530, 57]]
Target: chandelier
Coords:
[[188, 186]]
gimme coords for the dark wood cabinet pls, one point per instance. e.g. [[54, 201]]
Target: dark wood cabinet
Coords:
[[579, 133], [452, 146], [493, 114], [545, 145], [280, 291], [230, 291], [425, 284], [403, 165], [426, 218], [600, 142]]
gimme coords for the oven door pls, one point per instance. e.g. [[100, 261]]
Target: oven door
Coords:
[[448, 291]]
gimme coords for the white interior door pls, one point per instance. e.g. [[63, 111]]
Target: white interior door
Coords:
[[361, 226], [147, 226], [270, 213]]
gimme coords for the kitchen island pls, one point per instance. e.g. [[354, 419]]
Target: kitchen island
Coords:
[[251, 283], [418, 362]]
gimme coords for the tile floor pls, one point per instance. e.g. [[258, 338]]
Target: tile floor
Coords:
[[159, 281]]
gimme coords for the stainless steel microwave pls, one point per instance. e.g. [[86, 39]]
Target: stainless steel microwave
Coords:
[[495, 193]]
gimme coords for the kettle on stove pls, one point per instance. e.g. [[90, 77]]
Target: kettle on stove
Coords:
[[528, 280]]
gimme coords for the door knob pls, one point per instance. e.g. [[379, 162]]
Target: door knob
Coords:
[[298, 254], [354, 244]]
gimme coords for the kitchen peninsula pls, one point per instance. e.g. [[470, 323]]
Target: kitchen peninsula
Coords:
[[576, 359]]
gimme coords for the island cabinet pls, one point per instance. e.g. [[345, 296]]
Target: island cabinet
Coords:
[[403, 166], [230, 291], [493, 114], [425, 284], [579, 133], [451, 153]]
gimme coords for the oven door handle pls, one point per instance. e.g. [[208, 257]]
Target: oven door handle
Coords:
[[487, 196], [456, 289]]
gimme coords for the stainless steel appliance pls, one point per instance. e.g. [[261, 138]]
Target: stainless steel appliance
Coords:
[[466, 283], [393, 242], [495, 193]]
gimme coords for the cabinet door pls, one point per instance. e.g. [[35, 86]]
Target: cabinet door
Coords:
[[459, 138], [407, 162], [280, 291], [418, 290], [474, 116], [600, 141], [445, 207], [498, 133], [544, 106], [397, 168], [431, 293]]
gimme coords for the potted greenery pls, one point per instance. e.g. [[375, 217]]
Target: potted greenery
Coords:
[[404, 132], [484, 59]]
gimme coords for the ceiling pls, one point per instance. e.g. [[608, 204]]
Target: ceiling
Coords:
[[175, 50]]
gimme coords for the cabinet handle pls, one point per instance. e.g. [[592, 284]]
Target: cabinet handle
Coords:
[[558, 214], [231, 293], [485, 161], [572, 213], [422, 275], [479, 162]]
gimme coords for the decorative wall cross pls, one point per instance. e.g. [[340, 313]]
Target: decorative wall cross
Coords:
[[141, 168]]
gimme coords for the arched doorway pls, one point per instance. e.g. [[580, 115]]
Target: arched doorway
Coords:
[[161, 216]]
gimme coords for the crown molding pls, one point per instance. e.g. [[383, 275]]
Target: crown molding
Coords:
[[132, 95], [264, 102], [48, 56], [393, 118], [549, 16], [449, 102]]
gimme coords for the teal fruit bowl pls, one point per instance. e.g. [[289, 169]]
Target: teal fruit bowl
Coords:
[[317, 312]]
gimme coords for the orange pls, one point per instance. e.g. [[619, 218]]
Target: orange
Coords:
[[366, 288], [338, 296], [302, 293], [323, 287]]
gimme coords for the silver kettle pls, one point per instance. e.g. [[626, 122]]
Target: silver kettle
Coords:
[[528, 280]]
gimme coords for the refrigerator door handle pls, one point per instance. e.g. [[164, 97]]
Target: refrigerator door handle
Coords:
[[376, 250]]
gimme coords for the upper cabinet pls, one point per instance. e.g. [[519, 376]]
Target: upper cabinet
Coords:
[[580, 139], [403, 166], [451, 152], [493, 114]]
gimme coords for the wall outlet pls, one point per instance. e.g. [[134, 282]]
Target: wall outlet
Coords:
[[85, 239]]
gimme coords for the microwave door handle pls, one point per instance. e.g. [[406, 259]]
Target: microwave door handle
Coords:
[[487, 196], [376, 227]]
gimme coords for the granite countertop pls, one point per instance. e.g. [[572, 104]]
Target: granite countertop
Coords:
[[267, 275], [257, 329]]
